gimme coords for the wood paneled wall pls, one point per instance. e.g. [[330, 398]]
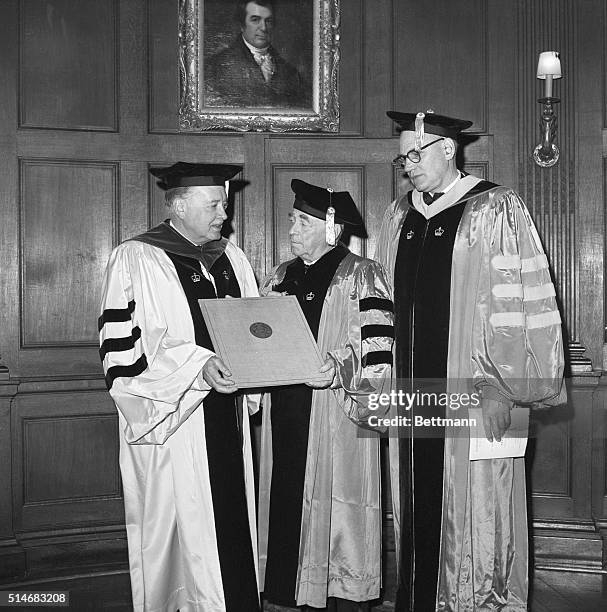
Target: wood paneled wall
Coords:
[[89, 102]]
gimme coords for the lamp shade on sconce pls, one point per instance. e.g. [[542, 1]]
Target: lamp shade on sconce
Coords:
[[549, 64], [549, 68]]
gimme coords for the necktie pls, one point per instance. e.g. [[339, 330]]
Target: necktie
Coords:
[[429, 198], [266, 64]]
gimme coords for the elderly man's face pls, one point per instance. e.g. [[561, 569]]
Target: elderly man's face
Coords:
[[202, 213], [432, 170], [307, 236], [257, 28]]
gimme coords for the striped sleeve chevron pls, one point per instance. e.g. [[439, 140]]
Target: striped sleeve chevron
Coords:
[[151, 362], [364, 357], [518, 338], [119, 336], [121, 349], [376, 331]]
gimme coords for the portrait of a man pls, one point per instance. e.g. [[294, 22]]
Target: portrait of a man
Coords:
[[258, 53]]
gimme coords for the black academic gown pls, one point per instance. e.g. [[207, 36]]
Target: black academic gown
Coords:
[[422, 288], [221, 418], [422, 285]]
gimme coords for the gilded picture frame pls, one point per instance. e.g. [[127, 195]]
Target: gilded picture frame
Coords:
[[222, 88]]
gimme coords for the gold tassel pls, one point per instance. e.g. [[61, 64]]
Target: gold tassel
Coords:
[[419, 131], [330, 222]]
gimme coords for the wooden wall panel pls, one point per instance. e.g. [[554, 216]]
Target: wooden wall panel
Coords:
[[134, 204], [9, 171], [163, 66], [480, 169], [133, 54], [503, 60], [69, 64], [438, 64], [61, 453], [64, 248], [588, 240], [378, 37], [599, 452], [560, 456], [339, 178], [551, 473], [351, 81], [65, 470], [256, 213]]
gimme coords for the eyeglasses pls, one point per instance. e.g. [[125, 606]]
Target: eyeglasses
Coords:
[[413, 156]]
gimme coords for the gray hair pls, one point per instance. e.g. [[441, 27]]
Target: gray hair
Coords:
[[176, 193]]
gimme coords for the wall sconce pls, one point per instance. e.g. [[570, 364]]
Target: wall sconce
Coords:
[[546, 154]]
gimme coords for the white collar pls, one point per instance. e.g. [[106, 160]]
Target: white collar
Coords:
[[429, 210], [456, 190], [255, 50], [451, 185]]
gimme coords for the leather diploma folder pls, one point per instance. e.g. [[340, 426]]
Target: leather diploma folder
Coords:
[[265, 342]]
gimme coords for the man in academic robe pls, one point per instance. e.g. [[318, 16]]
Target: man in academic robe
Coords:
[[320, 512], [185, 450], [475, 311], [251, 72]]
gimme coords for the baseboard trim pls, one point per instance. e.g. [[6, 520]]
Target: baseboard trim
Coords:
[[51, 579], [65, 553], [569, 569], [12, 560], [568, 546]]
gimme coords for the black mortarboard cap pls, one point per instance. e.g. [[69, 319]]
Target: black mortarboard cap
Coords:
[[433, 123], [184, 174], [315, 201]]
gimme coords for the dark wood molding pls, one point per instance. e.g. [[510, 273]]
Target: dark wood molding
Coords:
[[72, 552], [566, 545], [12, 559]]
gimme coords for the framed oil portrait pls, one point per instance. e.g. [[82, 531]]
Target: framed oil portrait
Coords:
[[262, 65]]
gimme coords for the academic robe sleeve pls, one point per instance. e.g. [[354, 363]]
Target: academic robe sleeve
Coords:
[[387, 240], [152, 376], [364, 363], [517, 343]]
